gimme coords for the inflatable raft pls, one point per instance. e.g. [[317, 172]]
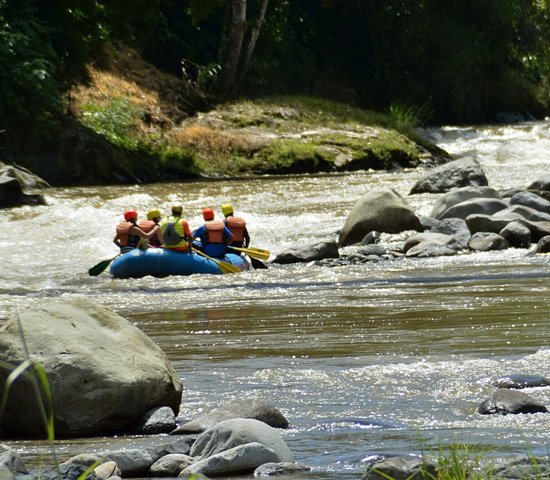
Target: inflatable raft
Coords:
[[159, 262]]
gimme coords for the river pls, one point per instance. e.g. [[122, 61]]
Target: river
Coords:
[[379, 358]]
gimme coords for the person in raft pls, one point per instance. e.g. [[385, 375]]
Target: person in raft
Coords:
[[214, 235], [237, 227], [152, 225], [176, 234], [128, 234]]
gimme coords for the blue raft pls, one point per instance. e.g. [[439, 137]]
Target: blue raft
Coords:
[[160, 262]]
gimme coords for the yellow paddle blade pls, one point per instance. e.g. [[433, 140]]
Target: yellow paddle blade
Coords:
[[224, 266], [259, 253]]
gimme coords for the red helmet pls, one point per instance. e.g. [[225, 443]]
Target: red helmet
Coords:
[[130, 214], [208, 213]]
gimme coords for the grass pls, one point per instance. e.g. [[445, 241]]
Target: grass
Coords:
[[276, 134]]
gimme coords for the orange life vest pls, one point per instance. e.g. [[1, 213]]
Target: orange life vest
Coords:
[[237, 226], [215, 231], [147, 226], [125, 238]]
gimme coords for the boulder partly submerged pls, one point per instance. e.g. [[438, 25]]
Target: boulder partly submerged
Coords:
[[381, 210], [15, 182], [104, 374], [458, 173]]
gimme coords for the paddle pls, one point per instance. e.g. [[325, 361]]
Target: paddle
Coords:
[[224, 266], [101, 266], [253, 252], [257, 264]]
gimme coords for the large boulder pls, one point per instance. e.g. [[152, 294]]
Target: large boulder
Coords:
[[531, 200], [14, 182], [382, 210], [104, 374], [486, 206], [255, 409], [458, 173], [460, 195], [239, 431], [236, 446]]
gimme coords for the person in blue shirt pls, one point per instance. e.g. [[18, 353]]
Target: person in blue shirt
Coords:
[[214, 235]]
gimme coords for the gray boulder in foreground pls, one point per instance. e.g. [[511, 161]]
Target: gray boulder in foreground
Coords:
[[255, 409], [486, 241], [455, 174], [241, 459], [104, 374], [239, 431], [308, 253], [505, 401], [381, 210]]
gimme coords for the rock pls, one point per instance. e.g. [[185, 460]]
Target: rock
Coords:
[[531, 200], [433, 238], [459, 195], [241, 459], [156, 420], [255, 409], [538, 229], [382, 210], [486, 206], [401, 468], [371, 238], [103, 372], [526, 212], [517, 235], [486, 241], [367, 250], [13, 183], [11, 461], [543, 245], [240, 431], [505, 401], [170, 465], [455, 174], [542, 183], [522, 467], [479, 222], [430, 249], [72, 469], [314, 251], [107, 470], [456, 227], [519, 381], [282, 468]]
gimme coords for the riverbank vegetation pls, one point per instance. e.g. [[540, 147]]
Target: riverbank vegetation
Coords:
[[130, 72]]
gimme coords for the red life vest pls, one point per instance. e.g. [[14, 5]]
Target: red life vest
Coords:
[[215, 231], [126, 239], [237, 227], [147, 226]]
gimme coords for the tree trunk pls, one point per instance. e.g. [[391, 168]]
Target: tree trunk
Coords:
[[232, 50], [254, 34]]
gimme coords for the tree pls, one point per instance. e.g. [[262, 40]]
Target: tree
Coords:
[[243, 22]]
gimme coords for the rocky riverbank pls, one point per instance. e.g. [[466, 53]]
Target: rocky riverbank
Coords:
[[137, 394]]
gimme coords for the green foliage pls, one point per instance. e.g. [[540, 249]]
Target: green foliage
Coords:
[[116, 120], [177, 160]]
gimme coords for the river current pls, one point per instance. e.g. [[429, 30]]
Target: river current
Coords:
[[380, 358]]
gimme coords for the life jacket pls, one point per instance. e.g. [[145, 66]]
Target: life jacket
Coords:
[[173, 233], [147, 226], [215, 231], [125, 237], [237, 226]]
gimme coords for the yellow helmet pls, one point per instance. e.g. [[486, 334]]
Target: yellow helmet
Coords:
[[227, 209], [153, 214]]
